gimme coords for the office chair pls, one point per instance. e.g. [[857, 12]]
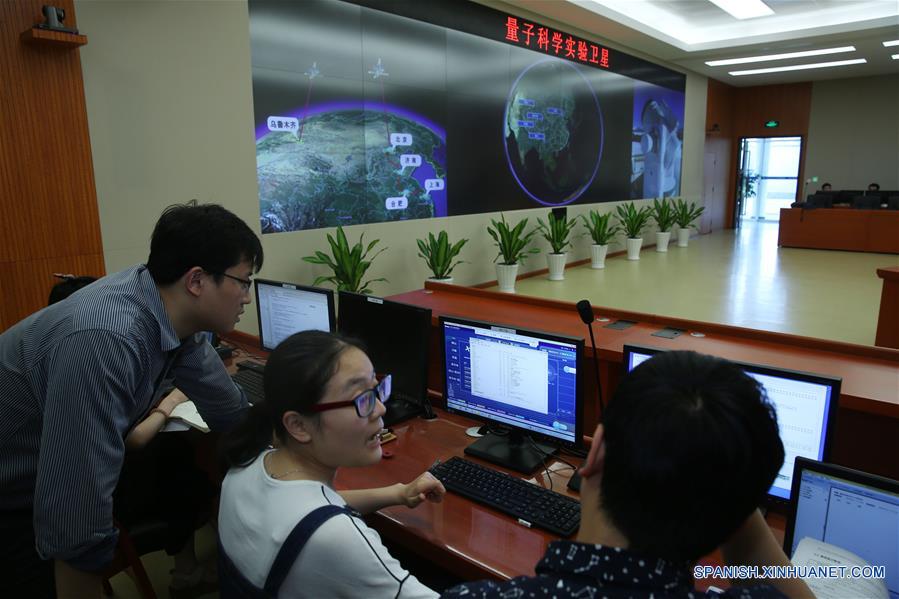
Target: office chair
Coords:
[[147, 537]]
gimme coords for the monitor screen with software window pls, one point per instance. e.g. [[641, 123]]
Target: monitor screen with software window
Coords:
[[285, 309], [523, 380], [848, 509], [805, 404]]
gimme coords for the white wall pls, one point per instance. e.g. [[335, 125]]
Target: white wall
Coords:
[[169, 101], [853, 136]]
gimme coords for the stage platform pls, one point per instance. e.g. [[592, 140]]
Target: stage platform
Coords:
[[738, 278]]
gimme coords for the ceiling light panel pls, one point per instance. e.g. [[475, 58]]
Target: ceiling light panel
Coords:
[[799, 67], [891, 43], [744, 9], [768, 57]]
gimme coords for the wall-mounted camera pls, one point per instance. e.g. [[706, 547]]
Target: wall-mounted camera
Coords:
[[54, 20]]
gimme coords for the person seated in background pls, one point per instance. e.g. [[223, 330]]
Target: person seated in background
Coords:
[[687, 451], [159, 481], [324, 407], [873, 186], [826, 187]]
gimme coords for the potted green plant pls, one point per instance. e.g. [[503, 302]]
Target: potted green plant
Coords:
[[512, 243], [601, 231], [438, 253], [633, 221], [663, 214], [685, 214], [557, 232], [347, 263]]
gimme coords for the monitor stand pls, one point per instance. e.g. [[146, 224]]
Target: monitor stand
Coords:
[[513, 450], [399, 409]]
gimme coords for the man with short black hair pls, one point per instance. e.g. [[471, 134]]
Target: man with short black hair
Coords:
[[78, 375], [687, 451]]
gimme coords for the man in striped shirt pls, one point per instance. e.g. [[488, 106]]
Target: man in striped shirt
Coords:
[[78, 375]]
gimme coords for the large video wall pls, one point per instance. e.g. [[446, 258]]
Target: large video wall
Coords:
[[398, 110]]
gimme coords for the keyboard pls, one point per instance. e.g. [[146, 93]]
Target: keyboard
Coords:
[[250, 381], [531, 504]]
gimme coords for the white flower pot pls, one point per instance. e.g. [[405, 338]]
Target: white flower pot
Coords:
[[633, 248], [662, 239], [556, 263], [598, 255], [505, 276], [683, 237], [446, 281]]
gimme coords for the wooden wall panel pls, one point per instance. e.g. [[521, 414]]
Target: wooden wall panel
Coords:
[[25, 285], [47, 194], [789, 103], [719, 109], [743, 111]]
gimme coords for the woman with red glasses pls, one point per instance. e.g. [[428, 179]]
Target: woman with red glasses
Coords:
[[284, 530]]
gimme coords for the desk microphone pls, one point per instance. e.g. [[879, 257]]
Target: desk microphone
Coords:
[[586, 311]]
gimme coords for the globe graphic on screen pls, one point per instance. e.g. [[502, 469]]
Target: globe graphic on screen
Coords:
[[553, 132], [341, 168]]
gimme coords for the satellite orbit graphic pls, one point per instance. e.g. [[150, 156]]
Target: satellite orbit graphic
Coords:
[[553, 132]]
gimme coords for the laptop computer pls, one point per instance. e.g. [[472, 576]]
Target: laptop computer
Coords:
[[844, 517]]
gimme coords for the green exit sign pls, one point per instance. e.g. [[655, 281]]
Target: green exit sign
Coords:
[[772, 124]]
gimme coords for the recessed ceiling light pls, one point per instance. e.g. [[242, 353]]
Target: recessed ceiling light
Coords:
[[895, 56], [744, 9], [891, 43], [799, 67], [767, 57]]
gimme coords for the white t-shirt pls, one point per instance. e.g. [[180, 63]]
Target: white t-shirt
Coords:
[[343, 558]]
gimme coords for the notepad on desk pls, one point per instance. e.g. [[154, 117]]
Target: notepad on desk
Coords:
[[186, 413]]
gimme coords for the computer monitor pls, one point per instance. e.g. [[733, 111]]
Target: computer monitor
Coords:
[[805, 403], [397, 338], [820, 200], [848, 509], [525, 383], [845, 196], [285, 309]]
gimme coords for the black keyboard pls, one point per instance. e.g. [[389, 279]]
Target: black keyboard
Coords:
[[531, 504], [251, 382]]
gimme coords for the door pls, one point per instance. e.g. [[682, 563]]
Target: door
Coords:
[[767, 176]]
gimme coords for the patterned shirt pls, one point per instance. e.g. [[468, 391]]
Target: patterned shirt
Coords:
[[570, 569], [74, 379]]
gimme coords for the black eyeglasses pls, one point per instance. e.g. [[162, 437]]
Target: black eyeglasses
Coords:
[[245, 283], [364, 403]]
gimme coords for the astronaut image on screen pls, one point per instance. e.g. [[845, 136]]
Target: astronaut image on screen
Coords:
[[657, 144]]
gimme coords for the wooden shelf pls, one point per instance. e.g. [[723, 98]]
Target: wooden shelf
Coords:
[[60, 39]]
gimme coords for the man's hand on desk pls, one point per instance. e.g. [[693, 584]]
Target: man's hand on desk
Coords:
[[423, 488]]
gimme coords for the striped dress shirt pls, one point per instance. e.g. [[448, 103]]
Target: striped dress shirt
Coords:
[[74, 379]]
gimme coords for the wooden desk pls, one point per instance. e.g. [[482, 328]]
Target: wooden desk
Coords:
[[840, 229], [469, 540], [867, 425]]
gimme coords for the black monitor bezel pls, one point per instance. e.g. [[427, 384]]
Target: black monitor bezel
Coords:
[[578, 342], [856, 476], [398, 383], [833, 381], [329, 293]]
